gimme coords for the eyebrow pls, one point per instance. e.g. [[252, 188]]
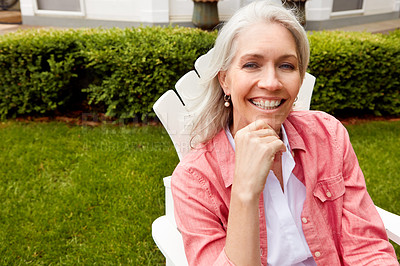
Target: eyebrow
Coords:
[[259, 56]]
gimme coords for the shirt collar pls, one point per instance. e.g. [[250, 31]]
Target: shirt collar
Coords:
[[285, 138], [225, 157], [288, 162], [293, 135]]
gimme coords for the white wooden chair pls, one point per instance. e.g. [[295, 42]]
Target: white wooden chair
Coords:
[[176, 119]]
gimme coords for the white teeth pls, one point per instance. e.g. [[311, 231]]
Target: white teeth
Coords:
[[267, 105]]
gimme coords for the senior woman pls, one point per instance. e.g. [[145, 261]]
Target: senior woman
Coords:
[[264, 184]]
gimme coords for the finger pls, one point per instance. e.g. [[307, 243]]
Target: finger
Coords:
[[281, 147], [276, 146], [264, 132], [256, 125], [275, 143]]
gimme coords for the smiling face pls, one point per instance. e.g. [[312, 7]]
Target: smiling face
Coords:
[[263, 78]]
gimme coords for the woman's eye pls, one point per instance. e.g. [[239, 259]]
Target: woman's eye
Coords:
[[250, 65], [287, 66]]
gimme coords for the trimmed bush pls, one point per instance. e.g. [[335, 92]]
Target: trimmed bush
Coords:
[[140, 64], [122, 72], [36, 68], [357, 73]]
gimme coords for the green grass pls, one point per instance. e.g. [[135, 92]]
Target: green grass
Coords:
[[80, 195], [83, 195]]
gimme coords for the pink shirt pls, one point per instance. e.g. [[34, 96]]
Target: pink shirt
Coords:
[[340, 222]]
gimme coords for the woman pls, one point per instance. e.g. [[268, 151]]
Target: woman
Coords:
[[264, 184]]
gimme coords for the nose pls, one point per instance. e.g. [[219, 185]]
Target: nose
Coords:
[[269, 79]]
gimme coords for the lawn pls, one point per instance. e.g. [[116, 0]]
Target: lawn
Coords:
[[81, 195], [88, 195]]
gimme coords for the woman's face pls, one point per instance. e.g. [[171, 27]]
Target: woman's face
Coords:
[[263, 78]]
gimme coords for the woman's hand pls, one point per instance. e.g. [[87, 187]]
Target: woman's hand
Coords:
[[255, 148]]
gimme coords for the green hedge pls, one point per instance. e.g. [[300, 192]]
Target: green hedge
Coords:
[[357, 72], [121, 72], [139, 65], [36, 69]]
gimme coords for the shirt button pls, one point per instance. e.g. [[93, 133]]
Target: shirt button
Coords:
[[317, 254], [261, 251], [328, 194], [304, 220]]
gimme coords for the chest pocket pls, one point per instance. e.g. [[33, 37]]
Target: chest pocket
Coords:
[[329, 189]]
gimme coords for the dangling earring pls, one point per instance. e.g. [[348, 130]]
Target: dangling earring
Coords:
[[295, 100], [227, 98]]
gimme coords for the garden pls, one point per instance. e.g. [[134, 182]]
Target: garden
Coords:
[[82, 156]]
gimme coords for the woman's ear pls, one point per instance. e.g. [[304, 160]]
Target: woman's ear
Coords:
[[223, 83]]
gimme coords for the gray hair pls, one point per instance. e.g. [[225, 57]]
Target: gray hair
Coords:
[[211, 114]]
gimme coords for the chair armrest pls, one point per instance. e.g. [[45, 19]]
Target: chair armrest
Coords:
[[169, 201], [169, 241], [392, 224]]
